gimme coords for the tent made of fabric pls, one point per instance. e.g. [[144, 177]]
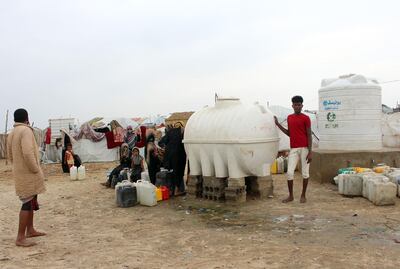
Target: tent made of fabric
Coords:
[[100, 122], [176, 117], [154, 121], [91, 151]]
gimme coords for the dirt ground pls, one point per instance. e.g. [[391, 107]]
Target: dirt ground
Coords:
[[86, 229]]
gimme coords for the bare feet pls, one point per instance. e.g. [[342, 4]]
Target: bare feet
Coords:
[[34, 234], [24, 243], [303, 199], [105, 184], [287, 200]]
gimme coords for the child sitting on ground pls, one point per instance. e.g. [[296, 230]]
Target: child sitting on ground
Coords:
[[71, 159]]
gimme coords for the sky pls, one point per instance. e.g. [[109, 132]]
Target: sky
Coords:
[[84, 59]]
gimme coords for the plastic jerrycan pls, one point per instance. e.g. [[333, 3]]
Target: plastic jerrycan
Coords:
[[280, 165], [138, 184], [165, 192], [81, 172], [274, 167], [73, 173], [159, 194], [125, 193], [148, 194]]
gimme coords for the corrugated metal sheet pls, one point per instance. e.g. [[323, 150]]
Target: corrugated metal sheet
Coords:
[[57, 124]]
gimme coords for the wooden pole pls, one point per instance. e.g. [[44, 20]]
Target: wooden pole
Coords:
[[5, 132]]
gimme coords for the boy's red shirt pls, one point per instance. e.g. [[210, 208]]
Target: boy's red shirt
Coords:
[[297, 126]]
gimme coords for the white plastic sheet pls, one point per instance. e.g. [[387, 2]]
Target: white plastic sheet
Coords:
[[90, 151]]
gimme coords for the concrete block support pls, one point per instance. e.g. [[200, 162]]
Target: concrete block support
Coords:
[[261, 187], [195, 186], [214, 188], [236, 190]]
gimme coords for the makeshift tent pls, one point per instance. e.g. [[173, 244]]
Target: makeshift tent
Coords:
[[109, 122], [90, 145], [157, 121], [56, 125], [181, 117], [89, 149]]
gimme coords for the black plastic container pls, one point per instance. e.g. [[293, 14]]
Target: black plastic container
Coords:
[[126, 195]]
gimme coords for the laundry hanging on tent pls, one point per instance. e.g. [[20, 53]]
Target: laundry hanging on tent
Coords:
[[143, 137], [86, 131], [48, 136], [111, 142], [118, 134]]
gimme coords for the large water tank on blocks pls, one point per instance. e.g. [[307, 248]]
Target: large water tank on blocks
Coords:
[[350, 114], [231, 140]]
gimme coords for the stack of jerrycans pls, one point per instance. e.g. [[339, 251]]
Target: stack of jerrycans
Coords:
[[164, 178], [279, 166], [164, 182]]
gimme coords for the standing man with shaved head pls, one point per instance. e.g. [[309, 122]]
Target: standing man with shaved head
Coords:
[[28, 176]]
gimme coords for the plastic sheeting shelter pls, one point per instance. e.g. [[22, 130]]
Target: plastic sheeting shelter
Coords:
[[154, 120], [90, 151], [122, 122]]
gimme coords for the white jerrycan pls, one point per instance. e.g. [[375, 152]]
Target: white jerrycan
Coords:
[[73, 173], [81, 172], [146, 193]]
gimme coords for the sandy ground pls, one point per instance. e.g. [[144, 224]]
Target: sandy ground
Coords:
[[86, 229]]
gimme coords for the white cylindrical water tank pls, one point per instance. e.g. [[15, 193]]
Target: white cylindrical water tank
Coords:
[[231, 140], [350, 114]]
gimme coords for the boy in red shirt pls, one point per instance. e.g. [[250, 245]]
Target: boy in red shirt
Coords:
[[299, 131]]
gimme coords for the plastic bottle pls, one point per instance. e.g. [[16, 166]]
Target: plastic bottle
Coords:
[[81, 172], [73, 173]]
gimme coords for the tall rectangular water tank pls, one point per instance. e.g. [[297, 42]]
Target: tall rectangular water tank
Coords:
[[350, 114]]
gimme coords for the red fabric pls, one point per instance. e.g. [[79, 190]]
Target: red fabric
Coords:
[[118, 134], [164, 192], [110, 141], [298, 125], [143, 137], [48, 136]]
